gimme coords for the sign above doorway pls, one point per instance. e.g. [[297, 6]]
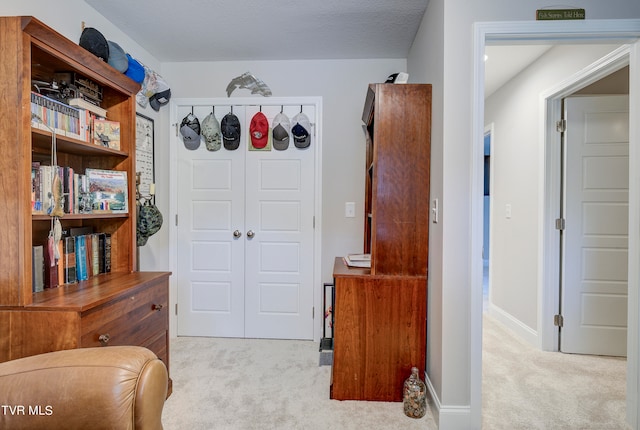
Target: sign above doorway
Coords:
[[559, 14]]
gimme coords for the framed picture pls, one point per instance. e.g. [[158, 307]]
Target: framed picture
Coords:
[[145, 168], [108, 190]]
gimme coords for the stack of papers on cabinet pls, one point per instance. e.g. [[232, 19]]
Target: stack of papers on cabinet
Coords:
[[358, 260]]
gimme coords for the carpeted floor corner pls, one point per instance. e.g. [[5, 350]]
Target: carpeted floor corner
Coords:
[[258, 384]]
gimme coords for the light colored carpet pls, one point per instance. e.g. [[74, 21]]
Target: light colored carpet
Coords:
[[228, 384], [527, 389], [257, 384]]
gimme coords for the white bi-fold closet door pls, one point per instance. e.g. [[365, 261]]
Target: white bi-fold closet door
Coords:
[[245, 229]]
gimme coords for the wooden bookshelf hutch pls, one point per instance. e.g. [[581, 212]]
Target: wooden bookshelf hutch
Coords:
[[380, 314], [117, 308]]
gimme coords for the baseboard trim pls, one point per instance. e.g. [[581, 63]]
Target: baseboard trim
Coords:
[[521, 330], [448, 417]]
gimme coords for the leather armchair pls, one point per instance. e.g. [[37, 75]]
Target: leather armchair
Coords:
[[115, 387]]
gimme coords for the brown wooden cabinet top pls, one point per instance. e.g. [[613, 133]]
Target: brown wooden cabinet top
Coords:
[[94, 292]]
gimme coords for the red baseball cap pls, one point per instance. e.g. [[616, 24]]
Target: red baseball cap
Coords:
[[259, 130]]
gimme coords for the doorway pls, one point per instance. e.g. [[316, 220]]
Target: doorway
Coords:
[[516, 193], [501, 32], [486, 217], [246, 238]]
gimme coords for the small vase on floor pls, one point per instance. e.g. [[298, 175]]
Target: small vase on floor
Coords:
[[414, 395]]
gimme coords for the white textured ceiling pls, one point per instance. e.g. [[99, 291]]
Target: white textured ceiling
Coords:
[[235, 30], [262, 30]]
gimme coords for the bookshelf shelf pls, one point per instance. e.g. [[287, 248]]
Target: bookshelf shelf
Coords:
[[96, 216], [133, 304], [41, 142]]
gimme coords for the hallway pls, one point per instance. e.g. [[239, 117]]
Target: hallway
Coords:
[[526, 389]]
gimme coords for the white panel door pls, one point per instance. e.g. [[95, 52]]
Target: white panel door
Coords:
[[596, 235], [245, 258], [210, 271], [279, 256]]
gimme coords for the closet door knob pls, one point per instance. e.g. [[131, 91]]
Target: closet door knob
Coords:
[[237, 234], [250, 234]]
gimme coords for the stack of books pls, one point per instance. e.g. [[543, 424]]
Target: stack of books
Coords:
[[78, 119]]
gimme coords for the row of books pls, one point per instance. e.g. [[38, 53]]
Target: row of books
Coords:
[[65, 119], [79, 120], [82, 256], [73, 186], [93, 190]]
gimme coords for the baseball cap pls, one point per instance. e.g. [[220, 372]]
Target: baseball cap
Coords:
[[135, 70], [117, 57], [156, 88], [301, 130], [211, 132], [93, 41], [148, 222], [230, 127], [281, 127], [190, 131], [160, 99], [259, 130]]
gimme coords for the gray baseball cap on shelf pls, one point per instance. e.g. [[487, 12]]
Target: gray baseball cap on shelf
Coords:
[[117, 57]]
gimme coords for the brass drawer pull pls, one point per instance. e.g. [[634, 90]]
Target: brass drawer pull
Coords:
[[157, 307], [104, 339]]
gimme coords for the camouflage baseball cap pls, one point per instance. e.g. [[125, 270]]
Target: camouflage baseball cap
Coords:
[[211, 132], [149, 221]]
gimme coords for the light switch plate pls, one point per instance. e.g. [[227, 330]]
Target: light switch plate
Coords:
[[434, 211], [350, 209]]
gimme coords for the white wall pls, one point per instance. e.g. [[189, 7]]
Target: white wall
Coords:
[[514, 110], [456, 338]]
